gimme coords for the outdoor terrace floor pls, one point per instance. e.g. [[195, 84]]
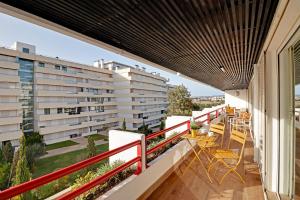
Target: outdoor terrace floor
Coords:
[[186, 183]]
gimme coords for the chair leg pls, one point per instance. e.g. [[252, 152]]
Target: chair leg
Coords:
[[211, 164], [239, 176], [230, 170]]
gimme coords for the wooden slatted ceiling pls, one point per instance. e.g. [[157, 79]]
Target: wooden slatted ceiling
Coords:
[[192, 37]]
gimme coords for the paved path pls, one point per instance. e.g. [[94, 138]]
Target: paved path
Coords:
[[82, 143]]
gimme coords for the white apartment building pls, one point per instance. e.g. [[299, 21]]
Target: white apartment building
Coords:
[[141, 96], [10, 108], [59, 99], [62, 99]]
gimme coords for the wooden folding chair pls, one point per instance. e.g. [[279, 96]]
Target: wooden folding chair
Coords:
[[229, 158], [218, 130], [205, 143]]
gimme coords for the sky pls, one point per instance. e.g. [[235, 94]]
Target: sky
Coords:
[[53, 44]]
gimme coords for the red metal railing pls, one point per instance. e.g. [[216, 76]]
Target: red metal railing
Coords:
[[169, 140], [32, 184], [24, 187], [217, 112]]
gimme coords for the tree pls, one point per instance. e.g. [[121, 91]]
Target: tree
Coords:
[[162, 125], [124, 125], [13, 167], [1, 156], [145, 129], [180, 102], [22, 171], [34, 138], [4, 175], [91, 147], [8, 152]]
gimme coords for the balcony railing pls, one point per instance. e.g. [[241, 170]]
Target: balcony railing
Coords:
[[37, 182]]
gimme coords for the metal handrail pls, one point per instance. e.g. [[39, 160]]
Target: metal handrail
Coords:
[[29, 185]]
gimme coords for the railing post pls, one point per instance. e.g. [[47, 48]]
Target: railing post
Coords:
[[189, 125], [208, 118], [217, 113], [139, 163]]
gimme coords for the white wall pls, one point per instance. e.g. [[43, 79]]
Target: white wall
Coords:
[[135, 186], [205, 111], [174, 120], [121, 138], [237, 98]]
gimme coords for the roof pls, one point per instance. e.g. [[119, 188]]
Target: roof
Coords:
[[194, 38]]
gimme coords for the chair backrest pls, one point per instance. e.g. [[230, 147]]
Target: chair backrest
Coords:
[[239, 137], [219, 129], [230, 110]]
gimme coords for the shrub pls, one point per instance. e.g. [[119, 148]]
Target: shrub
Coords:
[[8, 152], [4, 175], [124, 125], [52, 188], [32, 152], [163, 149], [97, 191], [162, 125], [34, 138], [22, 171]]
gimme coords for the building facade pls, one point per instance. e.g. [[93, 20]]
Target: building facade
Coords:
[[62, 99], [141, 96], [57, 98]]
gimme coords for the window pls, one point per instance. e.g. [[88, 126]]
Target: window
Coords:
[[59, 110], [57, 67], [100, 109], [47, 111], [140, 115], [41, 64], [64, 68], [25, 50]]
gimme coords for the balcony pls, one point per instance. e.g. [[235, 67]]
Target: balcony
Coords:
[[166, 176], [248, 49]]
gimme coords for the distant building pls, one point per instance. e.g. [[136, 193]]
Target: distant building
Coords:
[[141, 96], [63, 99], [208, 98], [170, 87]]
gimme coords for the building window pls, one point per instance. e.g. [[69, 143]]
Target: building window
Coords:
[[100, 109], [41, 64], [47, 111], [64, 68], [57, 67], [59, 110], [140, 115], [25, 50]]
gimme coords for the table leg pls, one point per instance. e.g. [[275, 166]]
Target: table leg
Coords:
[[197, 156]]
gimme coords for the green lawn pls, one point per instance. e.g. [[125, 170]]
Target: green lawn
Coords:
[[58, 145], [50, 164], [98, 137]]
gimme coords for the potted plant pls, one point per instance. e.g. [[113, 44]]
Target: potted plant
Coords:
[[194, 128]]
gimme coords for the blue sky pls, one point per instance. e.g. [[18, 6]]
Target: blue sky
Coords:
[[54, 44]]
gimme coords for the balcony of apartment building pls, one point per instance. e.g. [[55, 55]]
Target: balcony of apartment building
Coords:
[[248, 49]]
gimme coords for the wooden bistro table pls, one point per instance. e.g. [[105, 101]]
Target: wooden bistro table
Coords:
[[202, 138]]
